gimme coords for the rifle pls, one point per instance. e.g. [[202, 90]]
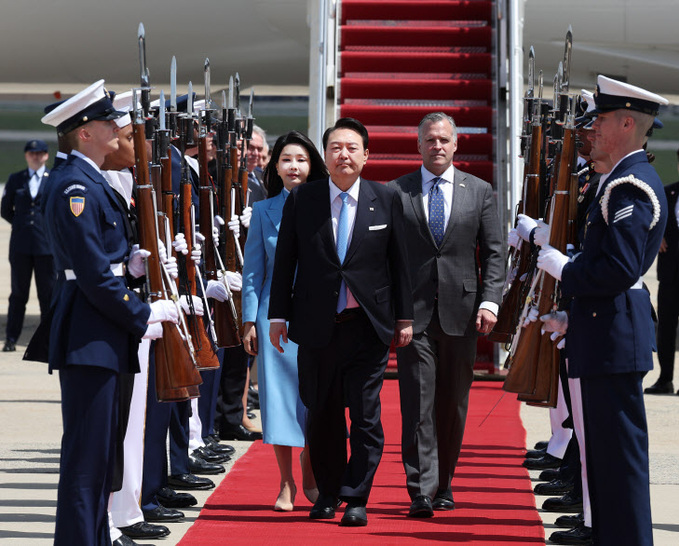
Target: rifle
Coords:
[[225, 313], [534, 371], [175, 364], [520, 259]]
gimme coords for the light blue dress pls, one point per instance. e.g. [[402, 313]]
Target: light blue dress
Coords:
[[283, 414]]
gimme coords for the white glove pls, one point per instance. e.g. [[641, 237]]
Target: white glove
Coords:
[[552, 261], [197, 305], [234, 226], [153, 331], [216, 290], [234, 280], [524, 226], [199, 237], [556, 321], [219, 221], [179, 244], [541, 235], [513, 238], [532, 316], [245, 217], [163, 311], [172, 267], [196, 254], [135, 264], [162, 253], [562, 342]]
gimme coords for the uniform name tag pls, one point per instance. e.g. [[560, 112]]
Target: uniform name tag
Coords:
[[77, 205], [73, 187]]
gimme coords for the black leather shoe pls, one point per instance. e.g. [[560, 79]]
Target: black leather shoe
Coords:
[[542, 444], [124, 541], [421, 507], [549, 475], [555, 487], [239, 433], [569, 504], [190, 482], [541, 463], [443, 501], [536, 453], [170, 498], [213, 443], [660, 387], [199, 466], [9, 347], [145, 530], [568, 522], [354, 516], [577, 535], [205, 453], [163, 515], [324, 508]]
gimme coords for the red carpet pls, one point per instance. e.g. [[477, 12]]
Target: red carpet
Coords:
[[495, 504]]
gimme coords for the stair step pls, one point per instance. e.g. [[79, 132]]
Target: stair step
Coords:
[[463, 158], [415, 61], [418, 50], [412, 129], [421, 9], [411, 115], [414, 89], [440, 104], [411, 23], [383, 142], [420, 36], [386, 170], [414, 76]]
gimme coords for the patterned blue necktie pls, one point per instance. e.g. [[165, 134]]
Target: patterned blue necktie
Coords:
[[342, 239], [436, 212]]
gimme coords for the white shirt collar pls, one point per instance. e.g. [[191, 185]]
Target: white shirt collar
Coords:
[[604, 177], [83, 156], [428, 176], [352, 191], [39, 172]]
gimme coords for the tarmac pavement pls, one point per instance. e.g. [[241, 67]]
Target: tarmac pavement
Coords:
[[30, 434]]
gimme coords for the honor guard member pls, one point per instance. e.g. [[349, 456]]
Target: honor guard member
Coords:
[[610, 337], [29, 250], [98, 322]]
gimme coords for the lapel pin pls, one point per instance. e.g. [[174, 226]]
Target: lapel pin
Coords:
[[372, 209], [462, 185]]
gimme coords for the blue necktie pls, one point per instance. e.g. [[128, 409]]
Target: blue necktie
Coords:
[[436, 212], [342, 239]]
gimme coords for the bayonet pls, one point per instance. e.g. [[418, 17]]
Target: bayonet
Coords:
[[531, 73], [143, 70], [237, 94], [565, 82], [206, 72], [250, 120], [189, 101], [173, 84]]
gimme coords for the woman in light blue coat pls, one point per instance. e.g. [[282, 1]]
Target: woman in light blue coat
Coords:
[[294, 159]]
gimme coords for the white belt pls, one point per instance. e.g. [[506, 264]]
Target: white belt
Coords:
[[117, 269], [637, 285]]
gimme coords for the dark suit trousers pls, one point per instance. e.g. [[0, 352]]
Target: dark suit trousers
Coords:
[[179, 437], [668, 318], [232, 386], [154, 476], [22, 268], [348, 372], [89, 408], [435, 374], [616, 444]]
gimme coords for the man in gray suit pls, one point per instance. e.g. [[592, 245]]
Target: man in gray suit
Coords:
[[448, 214]]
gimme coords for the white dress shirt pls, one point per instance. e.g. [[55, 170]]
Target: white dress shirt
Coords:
[[335, 207], [34, 179]]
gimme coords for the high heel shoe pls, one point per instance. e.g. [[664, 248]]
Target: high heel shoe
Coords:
[[283, 504], [311, 493]]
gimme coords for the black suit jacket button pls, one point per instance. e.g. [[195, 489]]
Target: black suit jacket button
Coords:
[[335, 293], [438, 255]]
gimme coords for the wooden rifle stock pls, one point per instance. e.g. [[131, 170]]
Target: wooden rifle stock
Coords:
[[536, 360], [520, 259], [225, 318], [175, 368]]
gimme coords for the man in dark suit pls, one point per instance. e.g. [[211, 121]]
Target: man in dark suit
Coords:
[[448, 214], [668, 295], [610, 337], [341, 245], [28, 247]]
